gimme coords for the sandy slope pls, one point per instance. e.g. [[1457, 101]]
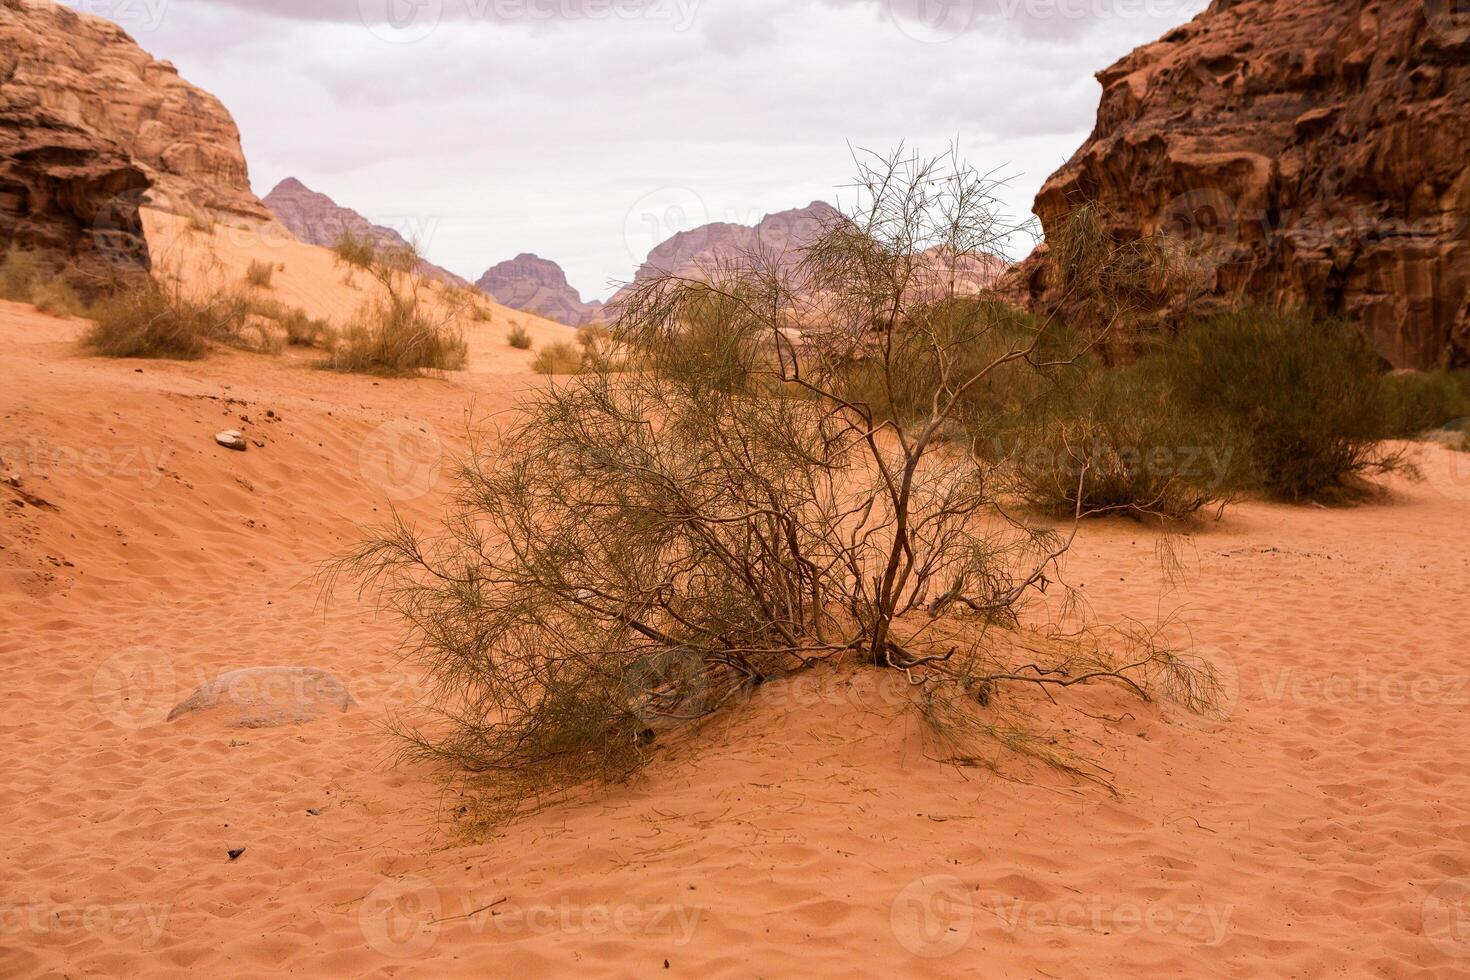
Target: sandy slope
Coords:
[[1321, 829], [310, 278]]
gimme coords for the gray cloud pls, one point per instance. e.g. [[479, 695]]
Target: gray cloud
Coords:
[[500, 129]]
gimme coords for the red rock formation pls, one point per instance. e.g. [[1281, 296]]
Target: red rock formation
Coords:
[[536, 285], [87, 73], [1314, 151], [316, 219]]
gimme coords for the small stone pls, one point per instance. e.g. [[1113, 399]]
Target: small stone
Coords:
[[13, 479], [235, 852], [232, 439]]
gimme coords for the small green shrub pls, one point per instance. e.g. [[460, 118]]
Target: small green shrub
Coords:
[[1118, 442], [1304, 395], [519, 338], [558, 358], [1423, 402]]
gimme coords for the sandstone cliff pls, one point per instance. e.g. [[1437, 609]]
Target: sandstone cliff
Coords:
[[536, 285], [88, 74], [1314, 153]]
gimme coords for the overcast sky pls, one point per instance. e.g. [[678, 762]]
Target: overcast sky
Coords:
[[587, 131]]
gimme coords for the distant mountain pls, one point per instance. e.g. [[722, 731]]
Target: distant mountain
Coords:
[[316, 219], [536, 285], [785, 234]]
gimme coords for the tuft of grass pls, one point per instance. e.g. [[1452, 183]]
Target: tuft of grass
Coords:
[[396, 339], [18, 275], [149, 318], [355, 251], [202, 221], [259, 274], [558, 358], [519, 338], [1305, 396], [58, 298]]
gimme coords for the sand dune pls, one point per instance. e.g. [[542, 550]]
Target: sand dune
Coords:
[[1319, 829], [311, 278]]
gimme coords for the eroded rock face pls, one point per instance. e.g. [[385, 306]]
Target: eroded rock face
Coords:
[[86, 73], [536, 285], [1313, 152], [316, 219], [68, 196], [268, 697]]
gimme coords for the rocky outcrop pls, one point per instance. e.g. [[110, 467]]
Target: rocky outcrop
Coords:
[[87, 75], [68, 196], [1311, 153], [316, 219], [536, 285]]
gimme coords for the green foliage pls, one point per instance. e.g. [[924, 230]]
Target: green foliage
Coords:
[[1304, 397], [1424, 402]]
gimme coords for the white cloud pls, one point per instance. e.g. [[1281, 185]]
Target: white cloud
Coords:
[[493, 127]]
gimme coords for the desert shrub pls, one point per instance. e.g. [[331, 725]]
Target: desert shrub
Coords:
[[1117, 441], [1420, 402], [259, 274], [355, 251], [58, 297], [519, 338], [19, 274], [1304, 395], [306, 331], [641, 549], [152, 318], [558, 358], [398, 340], [401, 333]]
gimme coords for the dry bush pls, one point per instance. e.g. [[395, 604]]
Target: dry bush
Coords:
[[259, 274], [559, 358], [402, 333], [149, 317], [355, 251], [644, 548], [519, 338], [203, 221], [19, 273]]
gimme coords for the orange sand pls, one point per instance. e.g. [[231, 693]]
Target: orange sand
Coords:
[[1321, 829]]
